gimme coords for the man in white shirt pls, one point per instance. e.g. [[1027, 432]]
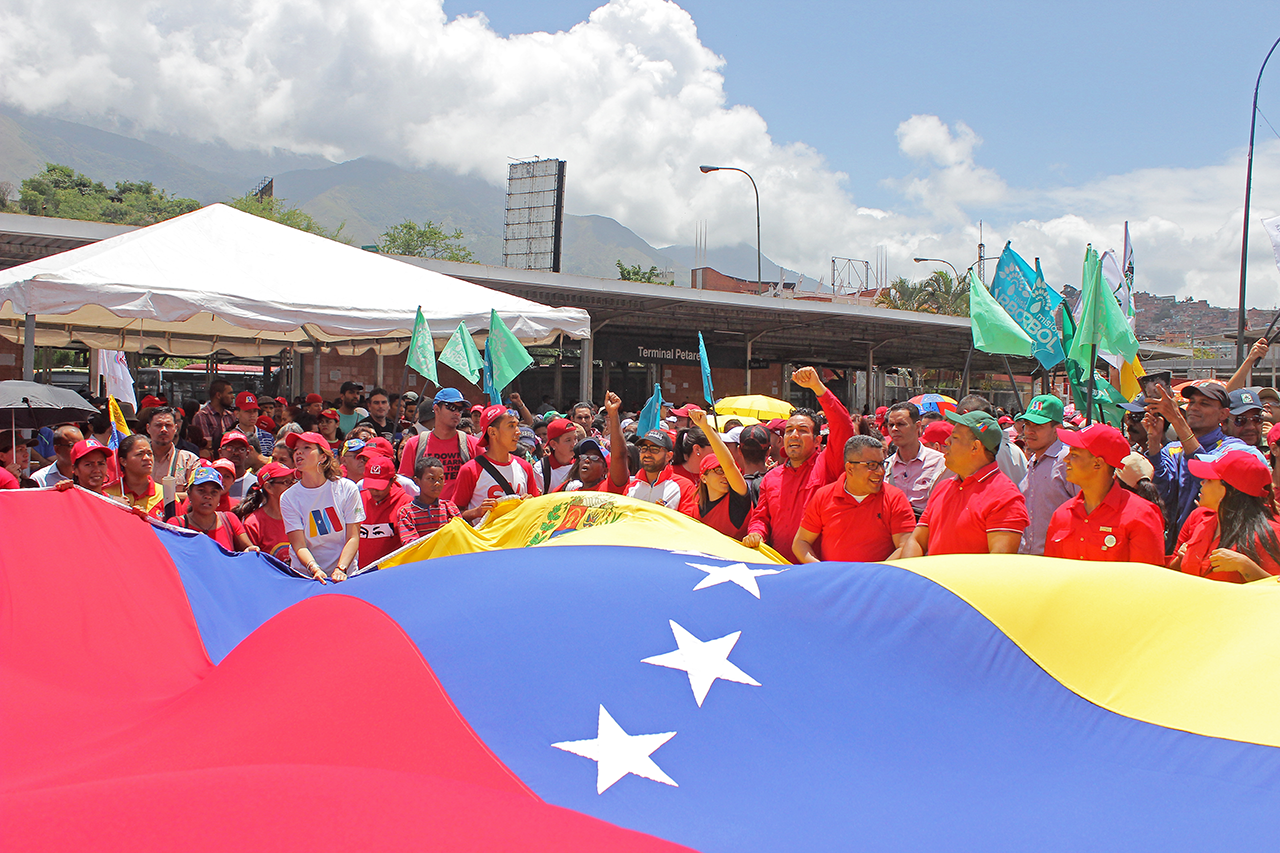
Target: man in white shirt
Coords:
[[497, 473], [64, 438], [914, 468]]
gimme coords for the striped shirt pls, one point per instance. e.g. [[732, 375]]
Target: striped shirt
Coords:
[[415, 521]]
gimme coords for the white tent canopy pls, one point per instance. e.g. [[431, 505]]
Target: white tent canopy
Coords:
[[220, 279]]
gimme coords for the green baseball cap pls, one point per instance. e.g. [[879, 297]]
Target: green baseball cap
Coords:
[[1045, 409], [984, 427]]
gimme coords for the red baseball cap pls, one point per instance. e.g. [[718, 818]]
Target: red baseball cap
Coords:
[[282, 401], [683, 411], [291, 440], [1105, 442], [777, 425], [560, 427], [245, 400], [266, 423], [709, 461], [375, 447], [380, 472], [488, 416], [224, 465], [1273, 434], [314, 398], [330, 414], [87, 446], [149, 401], [274, 470], [936, 432], [232, 437], [1243, 470]]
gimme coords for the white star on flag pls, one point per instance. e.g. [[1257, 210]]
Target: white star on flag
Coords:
[[617, 753], [733, 573], [704, 662]]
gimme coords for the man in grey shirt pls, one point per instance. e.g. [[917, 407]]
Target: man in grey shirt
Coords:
[[1045, 486]]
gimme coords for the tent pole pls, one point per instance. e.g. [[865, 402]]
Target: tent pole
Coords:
[[316, 379], [586, 369], [29, 348]]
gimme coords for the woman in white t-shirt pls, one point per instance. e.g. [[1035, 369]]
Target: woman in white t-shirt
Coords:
[[322, 511]]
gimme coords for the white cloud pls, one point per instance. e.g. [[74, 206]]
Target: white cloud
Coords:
[[633, 101]]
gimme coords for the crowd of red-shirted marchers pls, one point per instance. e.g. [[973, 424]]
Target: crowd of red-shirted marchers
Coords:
[[330, 487]]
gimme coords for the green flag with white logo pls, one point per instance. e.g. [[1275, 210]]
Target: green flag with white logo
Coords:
[[422, 349], [994, 331], [504, 357], [461, 354]]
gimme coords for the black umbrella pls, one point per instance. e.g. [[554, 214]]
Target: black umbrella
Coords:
[[30, 405]]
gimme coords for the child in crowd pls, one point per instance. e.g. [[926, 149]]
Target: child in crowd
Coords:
[[428, 512]]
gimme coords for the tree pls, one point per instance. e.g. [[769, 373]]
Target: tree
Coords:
[[902, 294], [937, 294], [635, 273], [427, 240], [62, 192], [278, 210]]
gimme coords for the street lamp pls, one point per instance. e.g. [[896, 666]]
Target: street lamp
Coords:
[[940, 261], [705, 170], [1248, 185]]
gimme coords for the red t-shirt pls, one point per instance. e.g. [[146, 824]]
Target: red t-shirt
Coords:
[[445, 451], [268, 534], [961, 513], [1124, 528], [225, 534], [728, 514], [852, 532], [7, 480], [1202, 540], [378, 534]]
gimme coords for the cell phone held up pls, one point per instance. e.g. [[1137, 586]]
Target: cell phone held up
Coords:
[[1162, 379]]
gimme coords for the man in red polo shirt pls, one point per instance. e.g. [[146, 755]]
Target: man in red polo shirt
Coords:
[[980, 510], [1104, 521], [786, 489], [858, 518]]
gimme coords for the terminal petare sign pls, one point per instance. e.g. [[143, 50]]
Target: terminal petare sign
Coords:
[[646, 350]]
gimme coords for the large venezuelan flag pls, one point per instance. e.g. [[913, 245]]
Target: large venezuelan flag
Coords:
[[159, 693]]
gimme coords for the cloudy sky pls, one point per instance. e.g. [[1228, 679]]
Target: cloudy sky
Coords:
[[865, 124]]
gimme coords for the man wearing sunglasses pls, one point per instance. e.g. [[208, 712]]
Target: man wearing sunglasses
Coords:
[[1245, 420], [453, 448], [858, 518]]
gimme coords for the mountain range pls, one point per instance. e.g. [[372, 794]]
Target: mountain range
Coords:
[[365, 196]]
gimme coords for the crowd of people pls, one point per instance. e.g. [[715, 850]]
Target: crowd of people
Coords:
[[330, 487]]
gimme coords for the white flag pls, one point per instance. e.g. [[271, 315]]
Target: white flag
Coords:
[[113, 368], [1273, 231], [1114, 277]]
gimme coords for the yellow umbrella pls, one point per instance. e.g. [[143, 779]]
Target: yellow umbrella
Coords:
[[756, 406], [717, 421]]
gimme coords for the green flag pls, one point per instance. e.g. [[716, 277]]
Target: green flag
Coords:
[[461, 354], [1102, 323], [994, 331], [422, 349], [1106, 399], [504, 357]]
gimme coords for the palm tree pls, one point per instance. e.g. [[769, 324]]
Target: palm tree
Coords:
[[902, 294], [948, 295]]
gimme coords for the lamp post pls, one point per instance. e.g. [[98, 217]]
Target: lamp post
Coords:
[[940, 261], [1248, 186], [705, 170]]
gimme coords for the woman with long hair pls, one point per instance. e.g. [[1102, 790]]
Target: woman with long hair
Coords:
[[723, 502], [1235, 538], [260, 510], [322, 511], [327, 425], [135, 486], [203, 514]]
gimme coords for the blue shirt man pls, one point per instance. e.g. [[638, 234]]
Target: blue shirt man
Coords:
[[1199, 431]]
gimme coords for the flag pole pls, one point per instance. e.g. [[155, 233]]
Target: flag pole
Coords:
[[1088, 420], [1017, 394], [964, 379]]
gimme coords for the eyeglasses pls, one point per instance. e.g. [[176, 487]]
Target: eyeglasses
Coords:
[[872, 465], [1241, 420], [455, 407]]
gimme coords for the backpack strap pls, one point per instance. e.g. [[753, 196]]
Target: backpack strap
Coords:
[[495, 474]]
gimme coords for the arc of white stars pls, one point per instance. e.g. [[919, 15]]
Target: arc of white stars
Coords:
[[702, 661], [737, 573], [617, 753]]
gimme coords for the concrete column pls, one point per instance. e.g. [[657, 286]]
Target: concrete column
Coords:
[[586, 372], [315, 383], [93, 372], [379, 371], [29, 348]]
